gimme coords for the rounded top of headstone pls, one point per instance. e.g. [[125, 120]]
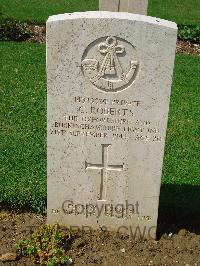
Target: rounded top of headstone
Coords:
[[112, 15]]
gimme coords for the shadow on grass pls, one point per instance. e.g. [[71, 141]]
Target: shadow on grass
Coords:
[[179, 209]]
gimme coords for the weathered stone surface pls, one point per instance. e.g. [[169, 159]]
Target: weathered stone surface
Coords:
[[109, 82], [131, 6], [105, 5]]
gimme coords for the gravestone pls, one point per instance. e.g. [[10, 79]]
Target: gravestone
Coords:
[[131, 6], [109, 81]]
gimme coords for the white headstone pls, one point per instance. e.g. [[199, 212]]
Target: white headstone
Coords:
[[131, 6], [109, 82]]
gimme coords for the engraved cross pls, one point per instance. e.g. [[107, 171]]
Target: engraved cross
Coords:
[[104, 167]]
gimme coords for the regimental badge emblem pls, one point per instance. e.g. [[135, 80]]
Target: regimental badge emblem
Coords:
[[110, 64]]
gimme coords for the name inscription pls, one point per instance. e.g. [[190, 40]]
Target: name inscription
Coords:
[[104, 118]]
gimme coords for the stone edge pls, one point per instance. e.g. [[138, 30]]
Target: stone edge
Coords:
[[112, 15]]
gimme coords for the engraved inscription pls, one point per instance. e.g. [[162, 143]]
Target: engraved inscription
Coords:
[[104, 167], [108, 73], [105, 118]]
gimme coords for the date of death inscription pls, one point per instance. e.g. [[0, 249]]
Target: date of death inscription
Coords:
[[99, 118]]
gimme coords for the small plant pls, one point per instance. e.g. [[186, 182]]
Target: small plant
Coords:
[[47, 246], [189, 33], [12, 30]]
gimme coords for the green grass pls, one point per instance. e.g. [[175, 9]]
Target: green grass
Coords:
[[180, 11], [23, 117], [185, 12], [183, 145], [38, 11]]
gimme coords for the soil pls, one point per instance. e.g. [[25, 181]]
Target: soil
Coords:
[[38, 33], [179, 247], [187, 48]]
